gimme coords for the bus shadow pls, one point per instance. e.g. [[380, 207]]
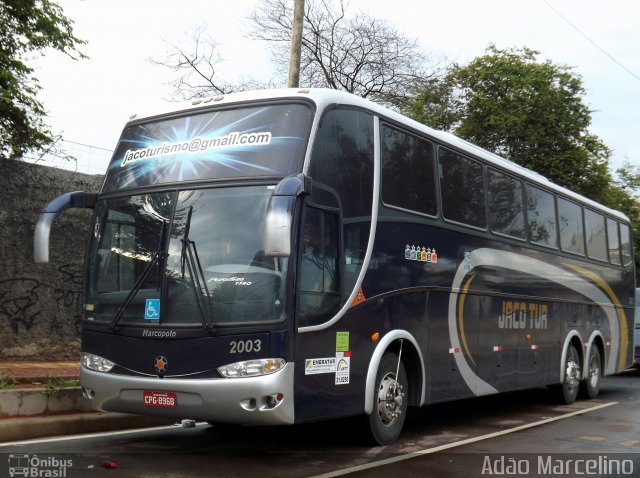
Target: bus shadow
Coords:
[[460, 417], [436, 423]]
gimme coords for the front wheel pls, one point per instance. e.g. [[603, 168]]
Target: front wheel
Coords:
[[390, 402], [567, 391], [590, 386]]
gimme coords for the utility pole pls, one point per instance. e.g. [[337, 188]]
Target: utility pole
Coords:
[[296, 43]]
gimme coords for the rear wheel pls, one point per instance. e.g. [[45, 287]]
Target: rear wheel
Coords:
[[590, 386], [567, 391], [389, 401]]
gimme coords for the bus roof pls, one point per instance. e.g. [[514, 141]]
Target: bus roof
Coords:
[[324, 97]]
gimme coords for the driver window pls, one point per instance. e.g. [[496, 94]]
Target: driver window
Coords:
[[318, 282]]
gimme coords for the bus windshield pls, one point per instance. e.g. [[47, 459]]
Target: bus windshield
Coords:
[[186, 258]]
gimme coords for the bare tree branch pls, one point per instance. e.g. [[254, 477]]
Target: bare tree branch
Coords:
[[197, 68], [360, 54]]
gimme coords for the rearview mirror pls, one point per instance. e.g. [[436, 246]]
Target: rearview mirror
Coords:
[[279, 219]]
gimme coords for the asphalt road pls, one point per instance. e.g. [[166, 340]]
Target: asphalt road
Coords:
[[522, 433]]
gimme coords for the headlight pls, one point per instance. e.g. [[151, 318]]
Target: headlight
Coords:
[[251, 368], [97, 363]]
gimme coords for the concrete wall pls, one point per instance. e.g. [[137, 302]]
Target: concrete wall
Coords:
[[40, 305]]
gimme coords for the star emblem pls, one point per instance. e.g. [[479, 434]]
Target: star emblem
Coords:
[[161, 364]]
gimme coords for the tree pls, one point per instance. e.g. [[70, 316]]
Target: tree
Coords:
[[27, 27], [528, 111], [196, 65], [360, 54], [629, 175]]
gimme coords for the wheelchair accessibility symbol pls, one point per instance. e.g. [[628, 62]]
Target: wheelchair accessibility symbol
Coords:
[[152, 309]]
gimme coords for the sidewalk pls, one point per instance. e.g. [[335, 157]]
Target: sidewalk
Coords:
[[42, 399]]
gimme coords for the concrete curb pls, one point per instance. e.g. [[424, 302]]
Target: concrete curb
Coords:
[[28, 413], [24, 402], [25, 428]]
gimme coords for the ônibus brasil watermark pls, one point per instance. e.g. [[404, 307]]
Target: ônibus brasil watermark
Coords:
[[34, 466]]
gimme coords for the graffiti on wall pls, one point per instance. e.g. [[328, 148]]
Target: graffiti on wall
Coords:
[[19, 302], [68, 299], [24, 302], [40, 306]]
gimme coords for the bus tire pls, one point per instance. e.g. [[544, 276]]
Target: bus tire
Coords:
[[567, 391], [590, 386], [390, 402]]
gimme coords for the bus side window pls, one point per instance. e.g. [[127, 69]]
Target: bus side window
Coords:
[[408, 172], [462, 189], [319, 295], [571, 229], [506, 207], [625, 241], [613, 242], [596, 236], [541, 217]]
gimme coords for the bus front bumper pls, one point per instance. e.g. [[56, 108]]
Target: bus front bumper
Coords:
[[263, 400]]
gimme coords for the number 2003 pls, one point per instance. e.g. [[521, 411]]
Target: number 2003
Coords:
[[245, 346]]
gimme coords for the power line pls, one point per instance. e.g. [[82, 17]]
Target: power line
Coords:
[[592, 41], [70, 165], [86, 145]]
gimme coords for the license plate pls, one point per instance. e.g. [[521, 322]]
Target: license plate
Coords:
[[159, 399]]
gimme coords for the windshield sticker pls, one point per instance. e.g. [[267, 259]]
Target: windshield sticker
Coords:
[[152, 309], [197, 145]]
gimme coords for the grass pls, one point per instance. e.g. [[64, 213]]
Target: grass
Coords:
[[55, 384], [7, 383], [52, 386]]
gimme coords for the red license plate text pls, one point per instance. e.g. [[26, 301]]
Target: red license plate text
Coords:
[[159, 399]]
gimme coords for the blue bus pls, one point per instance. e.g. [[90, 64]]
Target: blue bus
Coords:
[[286, 256]]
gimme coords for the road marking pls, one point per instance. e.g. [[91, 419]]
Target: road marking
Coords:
[[629, 443], [427, 451], [592, 438], [36, 441]]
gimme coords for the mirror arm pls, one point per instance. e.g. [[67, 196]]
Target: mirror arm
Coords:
[[296, 185], [76, 199]]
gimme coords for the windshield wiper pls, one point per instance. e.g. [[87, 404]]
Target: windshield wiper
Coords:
[[191, 260], [158, 258]]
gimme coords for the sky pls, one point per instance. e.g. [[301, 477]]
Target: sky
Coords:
[[89, 101]]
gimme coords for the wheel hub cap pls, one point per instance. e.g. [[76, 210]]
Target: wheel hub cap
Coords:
[[390, 399], [572, 375], [594, 373]]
